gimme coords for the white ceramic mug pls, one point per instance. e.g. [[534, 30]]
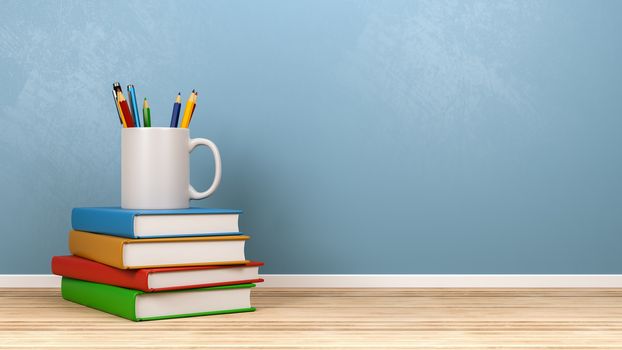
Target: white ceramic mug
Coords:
[[155, 168]]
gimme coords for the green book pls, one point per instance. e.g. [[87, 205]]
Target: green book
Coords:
[[137, 305]]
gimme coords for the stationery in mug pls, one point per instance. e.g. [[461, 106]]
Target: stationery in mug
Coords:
[[146, 114], [185, 122], [115, 88], [129, 114], [176, 109], [133, 104], [125, 109]]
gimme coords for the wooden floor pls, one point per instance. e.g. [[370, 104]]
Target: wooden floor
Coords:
[[335, 318]]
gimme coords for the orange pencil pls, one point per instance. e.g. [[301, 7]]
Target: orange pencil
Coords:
[[125, 108]]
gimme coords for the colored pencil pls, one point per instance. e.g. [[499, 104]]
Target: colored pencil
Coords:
[[194, 105], [187, 111], [133, 104], [125, 109], [117, 87], [146, 114], [176, 109], [114, 97], [116, 105], [121, 113]]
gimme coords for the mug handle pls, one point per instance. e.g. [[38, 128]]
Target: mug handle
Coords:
[[194, 194]]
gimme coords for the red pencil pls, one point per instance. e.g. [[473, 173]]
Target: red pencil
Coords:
[[125, 108]]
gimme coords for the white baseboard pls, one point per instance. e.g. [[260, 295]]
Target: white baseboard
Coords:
[[443, 281], [383, 281], [29, 281]]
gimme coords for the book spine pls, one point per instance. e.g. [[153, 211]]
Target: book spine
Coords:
[[101, 248], [111, 223], [113, 300], [87, 270]]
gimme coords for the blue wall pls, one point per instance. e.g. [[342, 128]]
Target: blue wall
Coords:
[[359, 137]]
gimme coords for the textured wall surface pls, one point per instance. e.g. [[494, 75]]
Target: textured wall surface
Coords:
[[359, 137]]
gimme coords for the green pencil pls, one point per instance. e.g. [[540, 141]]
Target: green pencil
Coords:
[[146, 114]]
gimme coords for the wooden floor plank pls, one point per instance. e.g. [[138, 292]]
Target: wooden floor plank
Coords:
[[334, 318]]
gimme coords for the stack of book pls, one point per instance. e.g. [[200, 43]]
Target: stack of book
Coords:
[[157, 264]]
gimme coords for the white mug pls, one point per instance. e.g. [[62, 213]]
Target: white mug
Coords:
[[155, 168]]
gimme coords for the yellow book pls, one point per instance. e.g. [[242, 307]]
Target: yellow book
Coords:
[[125, 253]]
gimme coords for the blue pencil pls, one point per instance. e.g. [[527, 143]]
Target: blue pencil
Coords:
[[133, 105], [176, 110]]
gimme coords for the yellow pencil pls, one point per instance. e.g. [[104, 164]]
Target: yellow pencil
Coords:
[[188, 111]]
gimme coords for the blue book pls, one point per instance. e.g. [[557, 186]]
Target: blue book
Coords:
[[137, 223]]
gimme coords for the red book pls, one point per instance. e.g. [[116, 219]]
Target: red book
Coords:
[[156, 279]]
